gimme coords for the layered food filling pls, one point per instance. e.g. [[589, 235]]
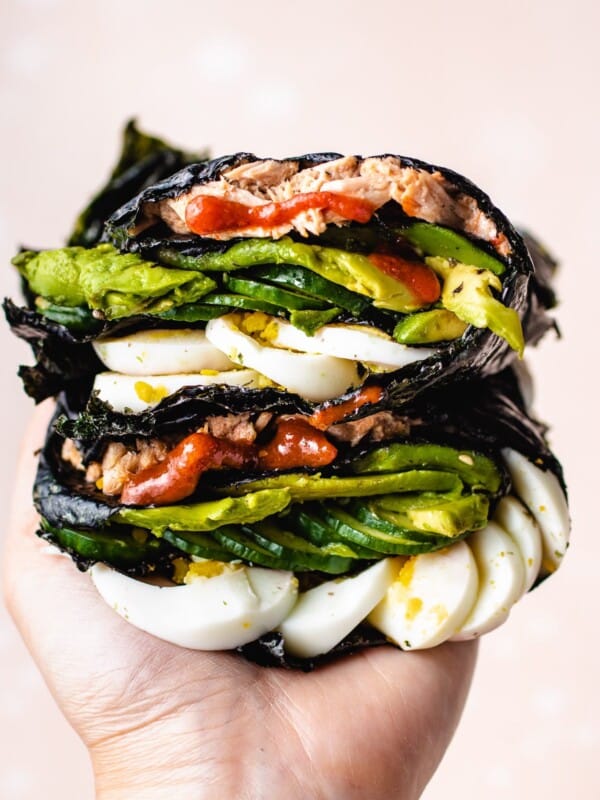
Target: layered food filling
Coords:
[[311, 531], [369, 507], [248, 445], [367, 249]]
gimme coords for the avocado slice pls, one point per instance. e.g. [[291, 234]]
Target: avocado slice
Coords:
[[448, 517], [424, 327], [477, 471], [467, 291], [102, 279], [314, 487], [251, 507]]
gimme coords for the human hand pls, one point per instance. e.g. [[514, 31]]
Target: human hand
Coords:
[[161, 721]]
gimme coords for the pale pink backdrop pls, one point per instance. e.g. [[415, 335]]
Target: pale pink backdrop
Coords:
[[506, 93]]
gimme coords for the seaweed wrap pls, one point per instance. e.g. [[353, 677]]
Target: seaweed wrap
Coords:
[[297, 536], [390, 270], [289, 413]]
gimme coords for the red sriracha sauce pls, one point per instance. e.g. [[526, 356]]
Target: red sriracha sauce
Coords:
[[177, 476], [296, 444], [420, 279], [206, 214], [336, 412]]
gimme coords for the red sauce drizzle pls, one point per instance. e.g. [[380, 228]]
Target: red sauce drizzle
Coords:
[[206, 214], [296, 444], [177, 476], [330, 414], [420, 279]]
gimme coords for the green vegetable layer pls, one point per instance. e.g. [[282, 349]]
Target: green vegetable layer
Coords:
[[403, 499], [104, 280]]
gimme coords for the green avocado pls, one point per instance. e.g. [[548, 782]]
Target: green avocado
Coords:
[[448, 517], [315, 487], [467, 292], [353, 271], [102, 279], [424, 327], [207, 516], [477, 471]]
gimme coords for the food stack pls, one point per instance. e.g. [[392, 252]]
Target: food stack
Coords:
[[292, 417]]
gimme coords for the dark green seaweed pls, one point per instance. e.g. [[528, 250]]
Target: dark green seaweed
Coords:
[[269, 650]]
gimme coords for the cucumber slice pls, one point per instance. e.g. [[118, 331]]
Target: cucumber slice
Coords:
[[75, 319], [246, 303], [313, 285], [119, 549], [434, 240], [273, 294], [194, 312], [239, 541], [354, 531], [297, 554], [198, 544], [318, 532]]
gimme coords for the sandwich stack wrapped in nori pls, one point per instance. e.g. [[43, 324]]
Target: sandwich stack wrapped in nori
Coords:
[[284, 386]]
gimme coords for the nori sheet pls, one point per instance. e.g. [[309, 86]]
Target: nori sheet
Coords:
[[486, 415]]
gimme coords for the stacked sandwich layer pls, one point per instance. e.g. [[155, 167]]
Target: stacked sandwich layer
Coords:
[[286, 388]]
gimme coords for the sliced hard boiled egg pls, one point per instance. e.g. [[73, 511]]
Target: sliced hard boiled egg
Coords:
[[542, 494], [516, 520], [355, 342], [161, 352], [314, 377], [137, 393], [501, 580], [430, 598], [324, 615], [210, 613]]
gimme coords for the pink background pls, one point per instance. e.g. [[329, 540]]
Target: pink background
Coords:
[[506, 93]]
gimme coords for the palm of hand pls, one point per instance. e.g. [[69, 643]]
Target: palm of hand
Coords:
[[374, 724]]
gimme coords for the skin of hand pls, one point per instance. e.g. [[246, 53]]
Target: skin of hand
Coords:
[[161, 721]]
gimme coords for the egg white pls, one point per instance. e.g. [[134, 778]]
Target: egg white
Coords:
[[136, 393], [323, 616], [210, 613], [355, 342], [542, 494], [501, 581], [161, 352], [430, 598], [314, 377]]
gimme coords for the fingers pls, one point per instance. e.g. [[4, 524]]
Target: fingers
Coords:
[[401, 707]]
